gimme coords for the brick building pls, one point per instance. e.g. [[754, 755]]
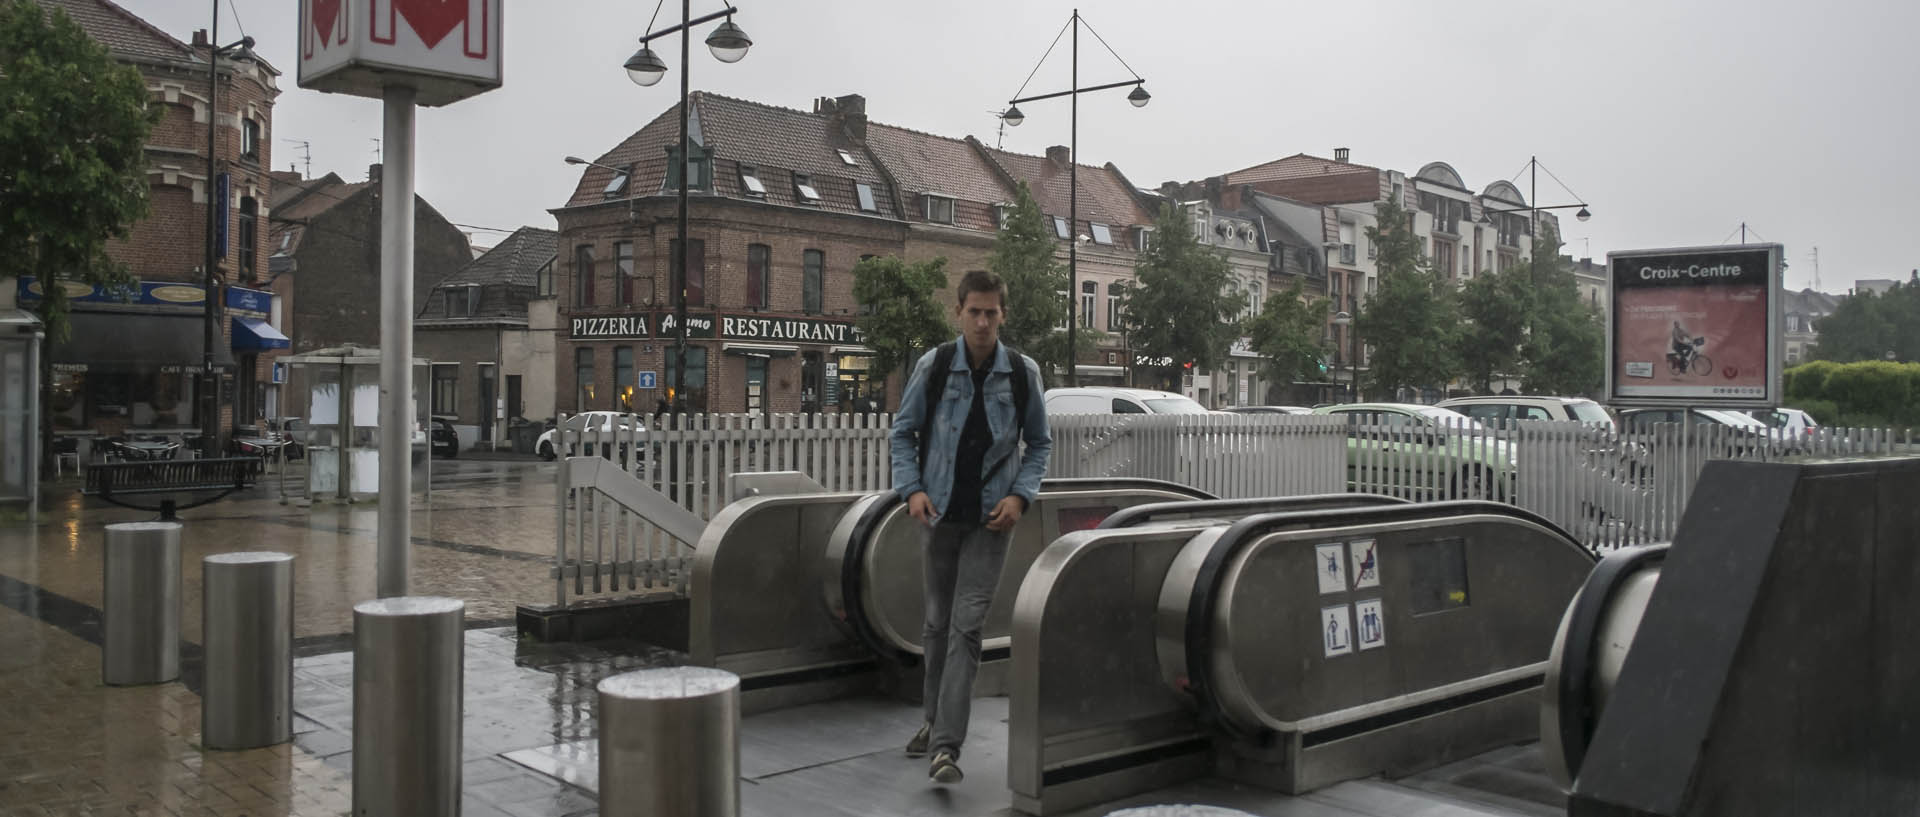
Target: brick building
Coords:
[[491, 365], [783, 204], [130, 364], [326, 257]]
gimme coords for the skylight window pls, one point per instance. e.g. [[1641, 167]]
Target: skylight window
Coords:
[[865, 191], [750, 181], [1102, 235], [1059, 227], [803, 190], [848, 158], [617, 185]]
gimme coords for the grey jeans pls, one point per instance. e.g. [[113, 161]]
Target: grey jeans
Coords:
[[962, 570]]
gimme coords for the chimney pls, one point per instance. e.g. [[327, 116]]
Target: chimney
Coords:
[[847, 113], [1340, 154], [373, 172], [1060, 155], [200, 39]]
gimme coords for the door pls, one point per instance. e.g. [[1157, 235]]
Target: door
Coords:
[[757, 385], [514, 409], [488, 411]]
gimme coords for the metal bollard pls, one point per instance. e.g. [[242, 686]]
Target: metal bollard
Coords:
[[407, 703], [670, 743], [141, 644], [248, 622]]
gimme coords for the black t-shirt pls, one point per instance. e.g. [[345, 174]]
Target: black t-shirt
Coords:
[[963, 507]]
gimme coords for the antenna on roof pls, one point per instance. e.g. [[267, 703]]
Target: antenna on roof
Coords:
[[376, 147], [306, 155], [1000, 116]]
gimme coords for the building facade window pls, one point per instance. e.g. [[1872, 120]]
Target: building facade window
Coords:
[[693, 270], [247, 234], [543, 280], [813, 282], [623, 271], [1115, 292], [583, 275], [250, 139], [759, 281], [696, 379], [1089, 293], [623, 377], [446, 388], [1443, 258], [459, 300], [1143, 238], [582, 379]]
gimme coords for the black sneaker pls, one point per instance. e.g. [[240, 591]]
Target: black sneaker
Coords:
[[918, 746], [944, 770]]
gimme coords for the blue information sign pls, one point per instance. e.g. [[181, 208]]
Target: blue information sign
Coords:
[[648, 380]]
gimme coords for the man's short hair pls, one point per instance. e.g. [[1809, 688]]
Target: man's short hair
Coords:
[[980, 281]]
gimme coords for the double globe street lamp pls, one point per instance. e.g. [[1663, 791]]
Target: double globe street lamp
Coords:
[[1014, 117], [729, 44]]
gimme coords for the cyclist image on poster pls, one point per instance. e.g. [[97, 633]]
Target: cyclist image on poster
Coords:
[[1692, 324]]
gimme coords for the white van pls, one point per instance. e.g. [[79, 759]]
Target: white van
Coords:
[[1109, 400]]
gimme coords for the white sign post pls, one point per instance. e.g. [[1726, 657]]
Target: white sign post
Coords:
[[405, 53]]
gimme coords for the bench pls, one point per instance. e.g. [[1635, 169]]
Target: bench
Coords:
[[224, 475]]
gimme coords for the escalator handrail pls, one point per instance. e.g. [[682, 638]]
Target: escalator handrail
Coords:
[[1574, 694], [1142, 514]]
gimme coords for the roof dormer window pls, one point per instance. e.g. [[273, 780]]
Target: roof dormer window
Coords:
[[939, 209]]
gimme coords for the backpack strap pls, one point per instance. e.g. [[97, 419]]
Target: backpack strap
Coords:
[[930, 396]]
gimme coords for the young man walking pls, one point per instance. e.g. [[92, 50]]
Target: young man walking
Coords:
[[957, 460]]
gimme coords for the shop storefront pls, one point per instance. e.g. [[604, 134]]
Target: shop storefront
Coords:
[[734, 363], [131, 360], [251, 318]]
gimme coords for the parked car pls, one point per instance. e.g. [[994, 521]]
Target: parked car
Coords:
[[1642, 419], [446, 441], [610, 424], [1112, 400], [1434, 451], [1501, 411], [1267, 410], [1793, 422]]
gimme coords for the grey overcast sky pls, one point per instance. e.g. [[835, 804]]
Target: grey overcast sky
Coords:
[[1675, 120]]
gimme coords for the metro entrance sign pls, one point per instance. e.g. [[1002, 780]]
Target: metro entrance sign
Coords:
[[405, 53], [446, 50]]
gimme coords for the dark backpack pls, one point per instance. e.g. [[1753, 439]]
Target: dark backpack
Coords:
[[937, 384]]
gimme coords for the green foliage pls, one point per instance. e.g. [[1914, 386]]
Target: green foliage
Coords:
[[1181, 305], [1411, 321], [1287, 335], [1496, 306], [901, 313], [72, 154], [1871, 393], [1023, 257], [1867, 326], [1565, 349]]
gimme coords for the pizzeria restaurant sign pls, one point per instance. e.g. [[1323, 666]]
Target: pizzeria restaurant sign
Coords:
[[644, 325]]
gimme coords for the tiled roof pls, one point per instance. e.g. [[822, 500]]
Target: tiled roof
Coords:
[[925, 163], [777, 142], [296, 201], [1104, 195], [124, 34], [1299, 165], [513, 261]]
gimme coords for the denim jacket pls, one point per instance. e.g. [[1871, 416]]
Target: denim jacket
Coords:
[[935, 476]]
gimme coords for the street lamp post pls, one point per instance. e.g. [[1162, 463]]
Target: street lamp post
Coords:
[[1014, 117], [1533, 207], [1341, 318], [729, 44], [209, 382]]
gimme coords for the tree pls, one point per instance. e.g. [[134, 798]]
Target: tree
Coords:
[[1496, 307], [1287, 334], [1182, 305], [1410, 322], [1565, 349], [900, 313], [1023, 257], [72, 164], [1867, 326]]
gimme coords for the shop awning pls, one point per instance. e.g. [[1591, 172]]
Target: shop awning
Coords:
[[759, 349], [128, 341], [253, 335]]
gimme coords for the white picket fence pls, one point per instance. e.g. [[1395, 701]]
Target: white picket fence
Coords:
[[1607, 489]]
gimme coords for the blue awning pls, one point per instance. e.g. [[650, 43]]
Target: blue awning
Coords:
[[250, 335]]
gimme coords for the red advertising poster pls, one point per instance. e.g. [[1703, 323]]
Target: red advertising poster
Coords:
[[1693, 327]]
